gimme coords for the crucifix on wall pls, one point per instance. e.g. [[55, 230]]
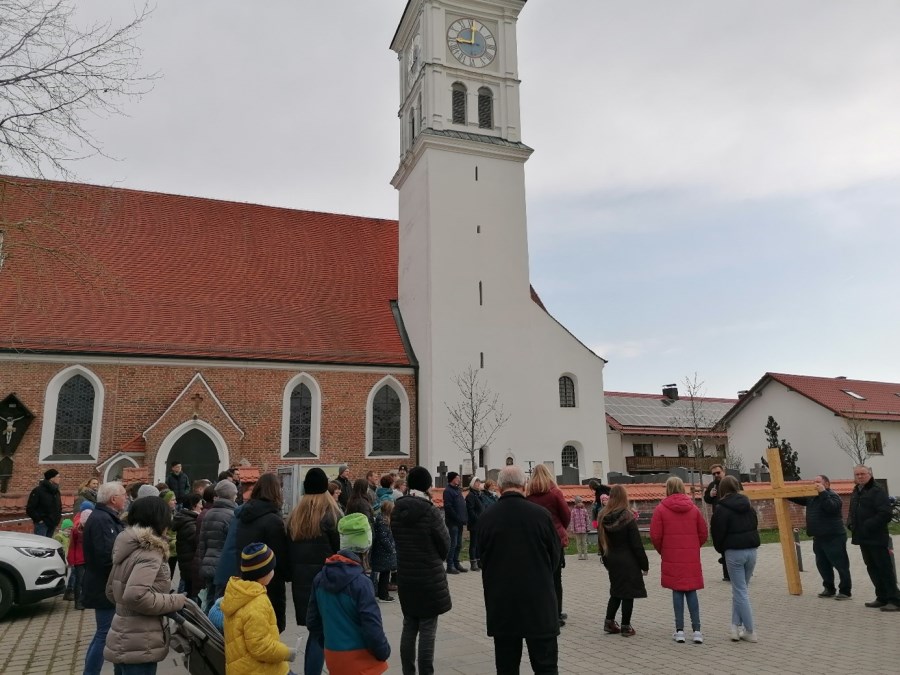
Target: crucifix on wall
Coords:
[[15, 419], [778, 493], [197, 399]]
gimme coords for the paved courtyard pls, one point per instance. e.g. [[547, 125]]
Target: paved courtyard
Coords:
[[797, 634]]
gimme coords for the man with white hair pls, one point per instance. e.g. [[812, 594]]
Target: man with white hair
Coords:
[[870, 515], [517, 535], [100, 534]]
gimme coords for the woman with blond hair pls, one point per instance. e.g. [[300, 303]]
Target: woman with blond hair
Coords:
[[677, 531], [543, 491], [625, 560], [312, 531]]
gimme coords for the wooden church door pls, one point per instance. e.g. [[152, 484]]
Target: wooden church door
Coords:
[[197, 454]]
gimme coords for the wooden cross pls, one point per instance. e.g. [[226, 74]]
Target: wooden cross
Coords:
[[197, 399], [778, 493]]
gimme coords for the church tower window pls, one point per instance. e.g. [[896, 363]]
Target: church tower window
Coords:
[[74, 417], [485, 108], [566, 392], [459, 103], [570, 456]]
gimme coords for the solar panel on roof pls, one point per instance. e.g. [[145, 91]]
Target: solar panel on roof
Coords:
[[652, 412]]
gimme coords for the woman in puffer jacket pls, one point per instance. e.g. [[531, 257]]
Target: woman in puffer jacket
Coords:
[[139, 586], [677, 531]]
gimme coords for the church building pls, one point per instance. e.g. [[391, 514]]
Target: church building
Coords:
[[139, 328]]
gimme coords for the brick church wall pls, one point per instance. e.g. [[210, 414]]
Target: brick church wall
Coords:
[[137, 395]]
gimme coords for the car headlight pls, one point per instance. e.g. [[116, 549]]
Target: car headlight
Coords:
[[34, 552]]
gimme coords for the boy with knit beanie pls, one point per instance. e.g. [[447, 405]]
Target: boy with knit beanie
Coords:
[[355, 643], [252, 645]]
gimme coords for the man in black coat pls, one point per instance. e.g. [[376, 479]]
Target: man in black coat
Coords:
[[711, 497], [870, 513], [44, 505], [518, 535], [100, 534], [178, 481], [456, 516], [422, 543], [346, 484], [825, 524]]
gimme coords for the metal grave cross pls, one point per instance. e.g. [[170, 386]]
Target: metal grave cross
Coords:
[[778, 493]]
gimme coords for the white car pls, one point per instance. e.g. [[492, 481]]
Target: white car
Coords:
[[31, 568]]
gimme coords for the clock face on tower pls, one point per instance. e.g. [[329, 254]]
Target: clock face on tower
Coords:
[[471, 43]]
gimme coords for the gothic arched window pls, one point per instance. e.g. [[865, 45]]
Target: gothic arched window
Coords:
[[570, 456], [485, 108], [459, 103], [74, 417], [386, 422], [566, 392], [300, 437]]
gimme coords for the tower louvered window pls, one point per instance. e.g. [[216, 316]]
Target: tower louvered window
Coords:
[[459, 103], [485, 108], [74, 417]]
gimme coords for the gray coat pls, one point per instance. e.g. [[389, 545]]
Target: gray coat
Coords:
[[139, 585], [211, 537]]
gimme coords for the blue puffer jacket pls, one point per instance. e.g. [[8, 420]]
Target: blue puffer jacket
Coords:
[[343, 608], [384, 552]]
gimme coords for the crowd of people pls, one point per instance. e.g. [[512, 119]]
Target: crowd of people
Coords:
[[348, 544]]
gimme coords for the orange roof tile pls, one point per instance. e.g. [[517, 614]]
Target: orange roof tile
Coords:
[[185, 276]]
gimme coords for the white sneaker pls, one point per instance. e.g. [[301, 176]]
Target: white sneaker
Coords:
[[749, 637], [735, 633], [698, 637], [678, 636]]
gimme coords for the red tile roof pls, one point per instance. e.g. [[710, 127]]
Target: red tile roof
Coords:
[[186, 276], [880, 400]]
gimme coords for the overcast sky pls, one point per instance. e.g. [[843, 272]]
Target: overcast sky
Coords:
[[714, 187]]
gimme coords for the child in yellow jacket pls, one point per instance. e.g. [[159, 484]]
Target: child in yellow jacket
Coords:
[[252, 645]]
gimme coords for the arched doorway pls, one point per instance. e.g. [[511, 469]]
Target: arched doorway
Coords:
[[198, 455], [198, 446]]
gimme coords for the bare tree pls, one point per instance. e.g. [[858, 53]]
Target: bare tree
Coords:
[[695, 419], [476, 417], [54, 74], [852, 439], [734, 459]]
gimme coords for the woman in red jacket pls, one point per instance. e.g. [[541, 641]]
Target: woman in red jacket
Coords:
[[677, 531], [542, 490]]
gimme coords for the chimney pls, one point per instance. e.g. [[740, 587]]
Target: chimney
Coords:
[[670, 391], [743, 392]]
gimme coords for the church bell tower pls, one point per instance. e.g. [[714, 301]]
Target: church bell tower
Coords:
[[464, 290]]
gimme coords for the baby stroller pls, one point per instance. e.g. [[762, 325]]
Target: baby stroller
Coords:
[[194, 635]]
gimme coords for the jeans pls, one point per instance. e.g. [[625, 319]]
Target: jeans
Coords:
[[881, 572], [135, 669], [426, 629], [455, 544], [314, 657], [741, 562], [693, 603], [93, 660], [831, 554], [41, 530], [543, 653]]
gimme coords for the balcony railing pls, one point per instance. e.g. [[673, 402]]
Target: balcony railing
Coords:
[[665, 464]]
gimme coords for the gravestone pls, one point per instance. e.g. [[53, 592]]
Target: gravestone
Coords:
[[569, 476], [683, 473], [441, 480], [620, 479]]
